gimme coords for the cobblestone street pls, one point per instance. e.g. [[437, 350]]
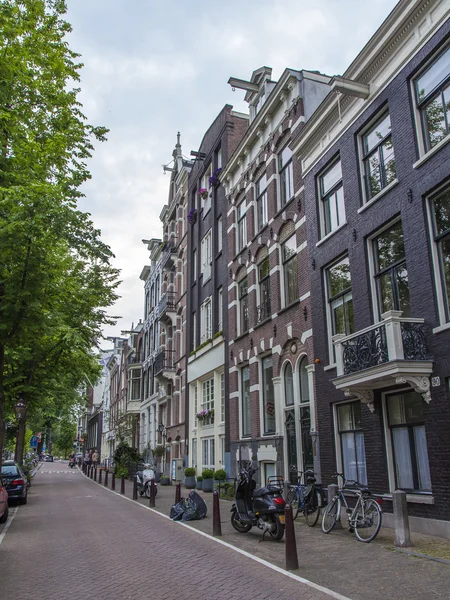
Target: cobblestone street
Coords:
[[75, 538]]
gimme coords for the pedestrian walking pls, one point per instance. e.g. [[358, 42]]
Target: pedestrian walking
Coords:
[[95, 457], [86, 459], [90, 457]]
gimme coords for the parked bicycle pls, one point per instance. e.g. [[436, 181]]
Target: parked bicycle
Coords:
[[364, 519], [306, 497]]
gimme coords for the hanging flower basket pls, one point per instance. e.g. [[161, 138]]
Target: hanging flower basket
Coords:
[[192, 216], [203, 193], [214, 179]]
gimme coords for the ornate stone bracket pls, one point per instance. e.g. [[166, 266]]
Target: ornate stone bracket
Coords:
[[366, 396], [421, 385]]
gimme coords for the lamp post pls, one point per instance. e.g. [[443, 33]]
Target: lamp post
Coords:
[[20, 409], [163, 432]]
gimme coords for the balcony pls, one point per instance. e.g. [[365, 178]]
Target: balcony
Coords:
[[164, 365], [167, 306], [135, 358], [390, 352], [169, 256], [263, 310]]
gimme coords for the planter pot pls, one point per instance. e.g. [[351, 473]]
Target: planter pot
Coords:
[[190, 482], [164, 481], [208, 485], [157, 477], [199, 485]]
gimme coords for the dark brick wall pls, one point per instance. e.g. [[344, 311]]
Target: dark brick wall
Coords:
[[421, 181]]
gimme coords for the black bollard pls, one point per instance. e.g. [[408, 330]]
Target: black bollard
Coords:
[[177, 493], [113, 480], [83, 469], [152, 494], [291, 544], [95, 474], [135, 496], [122, 484], [100, 476], [217, 527], [106, 477]]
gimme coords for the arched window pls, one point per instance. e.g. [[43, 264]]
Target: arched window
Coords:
[[288, 385], [304, 386]]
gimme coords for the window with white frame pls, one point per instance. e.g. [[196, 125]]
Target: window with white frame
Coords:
[[340, 301], [432, 97], [351, 438], [261, 202], [207, 256], [286, 175], [268, 395], [219, 159], [241, 226], [331, 192], [263, 309], [440, 223], [290, 270], [194, 265], [305, 416], [135, 375], [222, 449], [206, 320], [391, 274], [208, 458], [206, 194], [219, 234], [220, 309], [243, 304], [208, 394], [406, 421], [194, 453], [194, 330], [288, 385], [222, 397], [378, 156], [245, 401], [195, 389]]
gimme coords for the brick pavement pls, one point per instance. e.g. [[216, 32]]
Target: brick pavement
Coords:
[[75, 539]]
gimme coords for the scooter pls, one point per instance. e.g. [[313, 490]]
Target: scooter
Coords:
[[263, 507], [72, 463], [144, 478]]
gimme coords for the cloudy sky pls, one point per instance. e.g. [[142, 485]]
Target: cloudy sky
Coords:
[[153, 68]]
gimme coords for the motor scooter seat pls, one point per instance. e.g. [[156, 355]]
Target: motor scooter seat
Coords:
[[264, 491]]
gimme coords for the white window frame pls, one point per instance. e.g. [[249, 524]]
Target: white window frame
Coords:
[[206, 320], [194, 330], [287, 169], [328, 305], [208, 452], [241, 226], [261, 211], [222, 397], [331, 192], [219, 234], [206, 248], [206, 202], [220, 309], [194, 265]]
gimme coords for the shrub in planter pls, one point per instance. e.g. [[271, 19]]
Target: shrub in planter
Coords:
[[225, 489], [199, 485], [208, 480], [165, 480], [189, 481], [220, 475]]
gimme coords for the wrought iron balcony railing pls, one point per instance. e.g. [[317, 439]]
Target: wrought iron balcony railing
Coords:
[[167, 302], [164, 361]]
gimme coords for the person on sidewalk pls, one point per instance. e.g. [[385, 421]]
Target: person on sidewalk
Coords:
[[95, 457]]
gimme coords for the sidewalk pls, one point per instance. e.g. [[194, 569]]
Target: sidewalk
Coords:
[[337, 561]]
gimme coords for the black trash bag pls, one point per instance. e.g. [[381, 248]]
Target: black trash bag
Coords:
[[177, 510], [196, 508]]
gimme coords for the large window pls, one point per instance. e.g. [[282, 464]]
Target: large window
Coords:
[[286, 175], [288, 385], [208, 394], [268, 395], [432, 91], [264, 289], [352, 442], [261, 201], [391, 275], [243, 304], [440, 210], [340, 297], [305, 416], [219, 234], [206, 320], [207, 256], [135, 375], [378, 157], [241, 226], [332, 198], [222, 397], [208, 458], [409, 442], [290, 273], [245, 401]]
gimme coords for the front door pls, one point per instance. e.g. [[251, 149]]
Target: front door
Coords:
[[291, 443]]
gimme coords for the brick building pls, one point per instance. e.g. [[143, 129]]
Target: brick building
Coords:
[[269, 351], [376, 165]]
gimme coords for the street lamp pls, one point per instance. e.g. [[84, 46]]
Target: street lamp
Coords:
[[20, 409], [163, 431]]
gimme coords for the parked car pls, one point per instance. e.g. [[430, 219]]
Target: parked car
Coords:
[[15, 480], [48, 458], [3, 502]]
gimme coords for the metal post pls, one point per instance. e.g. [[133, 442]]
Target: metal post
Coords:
[[152, 494], [135, 495], [291, 544], [401, 520], [106, 477], [95, 474], [91, 474], [332, 491], [100, 476], [113, 480], [122, 484], [177, 493], [217, 527]]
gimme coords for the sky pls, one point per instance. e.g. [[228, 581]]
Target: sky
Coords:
[[153, 68]]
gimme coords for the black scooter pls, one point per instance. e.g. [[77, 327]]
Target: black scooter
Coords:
[[263, 507]]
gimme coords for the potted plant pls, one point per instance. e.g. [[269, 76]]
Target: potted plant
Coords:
[[214, 179], [203, 193], [189, 481], [199, 485], [164, 480], [192, 216], [208, 480]]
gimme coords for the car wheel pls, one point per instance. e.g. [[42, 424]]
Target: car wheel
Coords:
[[23, 500], [4, 517]]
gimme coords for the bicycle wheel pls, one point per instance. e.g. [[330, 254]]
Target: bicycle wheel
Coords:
[[312, 508], [293, 500], [367, 520], [331, 514]]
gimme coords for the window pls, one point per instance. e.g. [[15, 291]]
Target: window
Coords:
[[245, 402], [305, 417], [261, 202], [241, 226], [340, 297], [263, 309], [432, 91], [440, 213], [220, 309], [289, 254], [206, 321], [206, 197], [268, 395], [135, 375], [391, 275], [207, 256], [222, 397], [194, 453], [286, 175], [219, 234], [243, 304], [194, 330], [195, 404], [288, 385], [194, 265], [208, 394], [208, 453], [352, 442], [332, 198], [378, 157], [219, 159], [409, 442]]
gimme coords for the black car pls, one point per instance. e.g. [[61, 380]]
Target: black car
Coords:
[[15, 481]]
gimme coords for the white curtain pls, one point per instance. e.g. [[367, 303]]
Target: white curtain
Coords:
[[422, 458], [402, 454]]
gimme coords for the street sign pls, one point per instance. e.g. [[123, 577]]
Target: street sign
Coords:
[[34, 441]]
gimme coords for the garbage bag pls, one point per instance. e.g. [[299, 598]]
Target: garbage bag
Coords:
[[177, 510], [195, 507]]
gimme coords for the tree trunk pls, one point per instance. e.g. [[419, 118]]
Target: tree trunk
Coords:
[[2, 404], [20, 441]]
